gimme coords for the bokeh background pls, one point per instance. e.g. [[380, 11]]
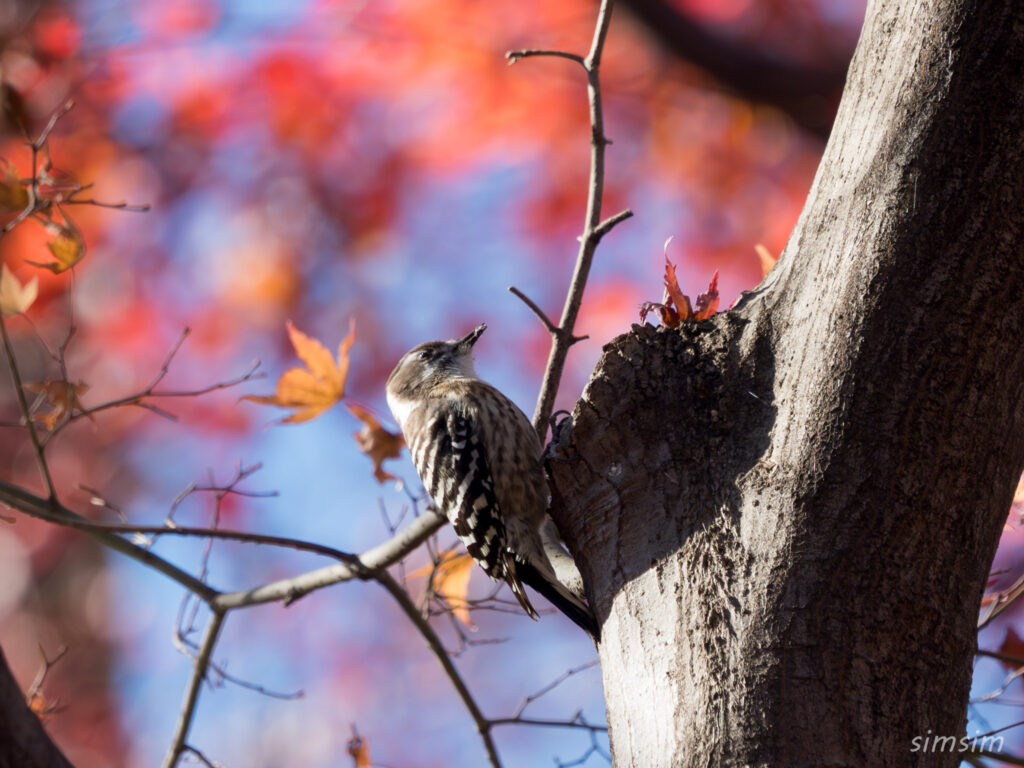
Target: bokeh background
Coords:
[[316, 160]]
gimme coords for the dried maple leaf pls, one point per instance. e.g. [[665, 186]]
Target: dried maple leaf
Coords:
[[15, 298], [673, 295], [450, 579], [67, 246], [675, 305], [63, 398], [376, 442], [311, 390], [767, 260], [13, 195], [707, 303]]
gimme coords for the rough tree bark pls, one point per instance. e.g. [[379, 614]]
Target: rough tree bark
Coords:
[[786, 514], [23, 742]]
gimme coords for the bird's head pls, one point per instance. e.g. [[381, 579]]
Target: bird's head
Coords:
[[429, 364]]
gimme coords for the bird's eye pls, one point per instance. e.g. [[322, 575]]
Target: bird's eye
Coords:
[[424, 354]]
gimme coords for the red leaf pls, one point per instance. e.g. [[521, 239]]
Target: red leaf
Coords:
[[674, 296], [707, 303]]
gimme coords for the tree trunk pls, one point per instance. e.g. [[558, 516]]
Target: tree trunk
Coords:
[[23, 742], [786, 514]]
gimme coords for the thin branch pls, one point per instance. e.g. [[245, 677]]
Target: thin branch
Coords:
[[200, 756], [593, 229], [35, 690], [122, 205], [37, 445], [51, 124], [997, 730], [1018, 660], [367, 565], [63, 517], [609, 224], [20, 499], [151, 390], [363, 566], [593, 749], [188, 708], [220, 673], [1001, 601], [1002, 757], [577, 722], [551, 327], [483, 725], [527, 701], [514, 56]]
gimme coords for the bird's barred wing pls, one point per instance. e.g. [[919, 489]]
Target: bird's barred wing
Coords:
[[454, 467]]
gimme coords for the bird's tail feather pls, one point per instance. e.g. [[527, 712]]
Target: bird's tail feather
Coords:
[[512, 577], [560, 597]]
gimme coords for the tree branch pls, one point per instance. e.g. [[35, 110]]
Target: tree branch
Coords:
[[30, 504], [593, 228], [192, 694], [483, 725], [370, 564], [26, 415]]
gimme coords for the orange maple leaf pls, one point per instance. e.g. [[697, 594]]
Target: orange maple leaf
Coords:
[[376, 442], [63, 398], [311, 390], [450, 579], [67, 246], [13, 195]]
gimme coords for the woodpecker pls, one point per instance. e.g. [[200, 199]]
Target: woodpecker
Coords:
[[480, 460]]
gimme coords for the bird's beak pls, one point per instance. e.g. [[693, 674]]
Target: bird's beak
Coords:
[[470, 338]]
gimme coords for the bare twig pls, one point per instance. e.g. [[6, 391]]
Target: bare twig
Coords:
[[593, 749], [1018, 660], [200, 756], [1003, 757], [51, 124], [23, 501], [483, 725], [150, 391], [36, 204], [220, 673], [37, 444], [64, 517], [121, 205], [527, 701], [1001, 601], [552, 328], [576, 721], [593, 228], [514, 56], [35, 690], [362, 566], [608, 224], [192, 694], [370, 563]]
